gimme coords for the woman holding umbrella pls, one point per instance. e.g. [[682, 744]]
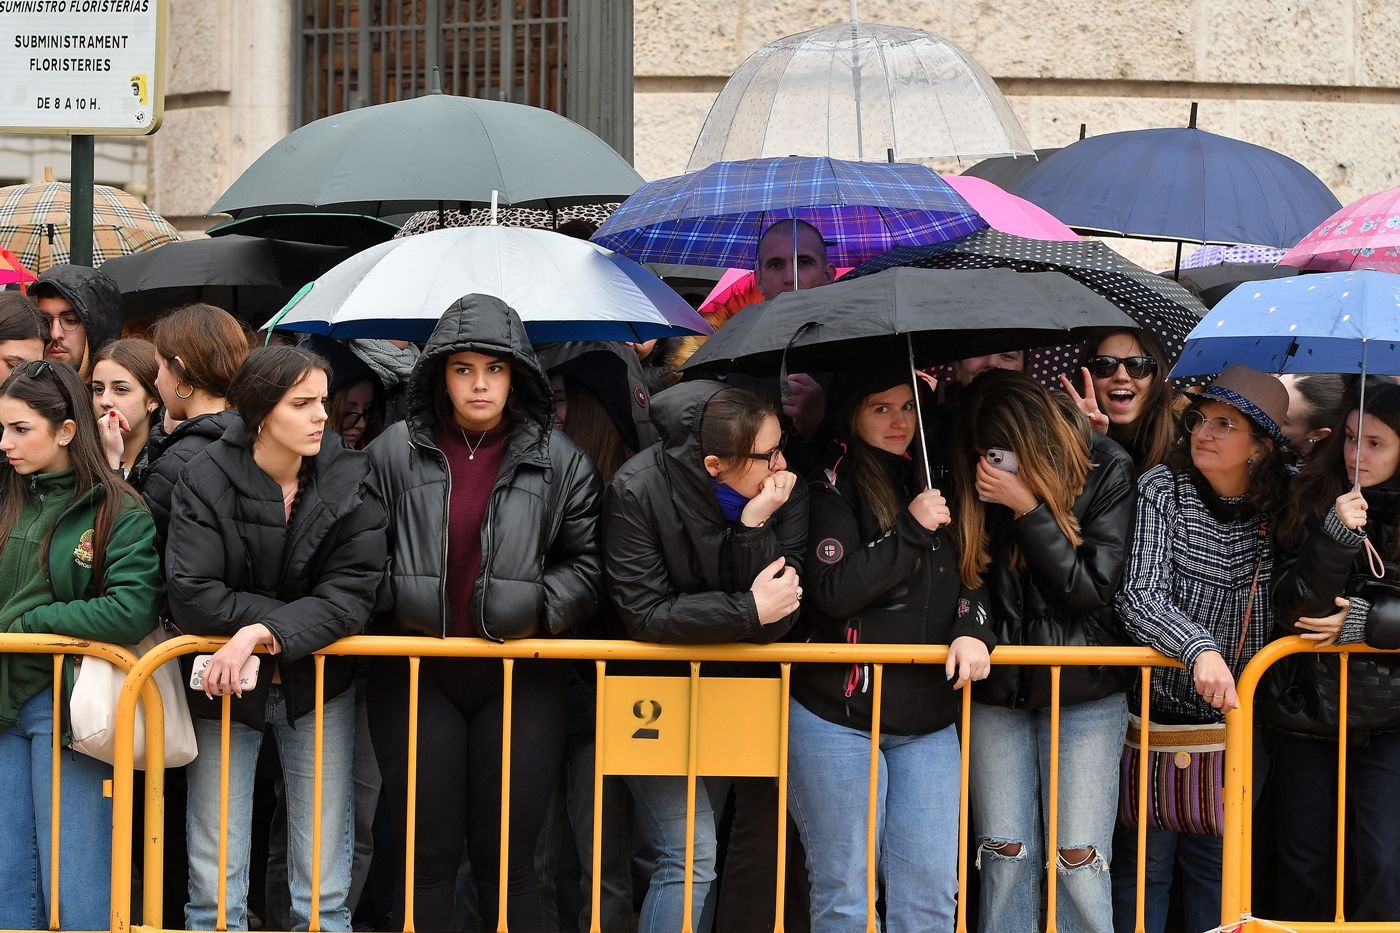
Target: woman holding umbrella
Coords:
[[1339, 583], [1196, 588], [883, 569], [1044, 518]]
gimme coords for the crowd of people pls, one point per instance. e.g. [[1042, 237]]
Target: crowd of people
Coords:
[[478, 487]]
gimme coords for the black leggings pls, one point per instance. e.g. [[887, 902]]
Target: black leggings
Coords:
[[459, 779]]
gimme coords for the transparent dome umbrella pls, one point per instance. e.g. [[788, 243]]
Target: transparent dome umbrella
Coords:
[[856, 91]]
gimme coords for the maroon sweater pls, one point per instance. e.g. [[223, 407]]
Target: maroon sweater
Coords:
[[472, 480]]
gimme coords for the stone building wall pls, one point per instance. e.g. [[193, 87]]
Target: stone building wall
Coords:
[[1316, 79]]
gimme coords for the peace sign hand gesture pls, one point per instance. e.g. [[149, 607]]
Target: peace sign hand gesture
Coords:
[[1088, 402]]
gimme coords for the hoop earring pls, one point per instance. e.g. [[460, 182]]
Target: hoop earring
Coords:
[[177, 391]]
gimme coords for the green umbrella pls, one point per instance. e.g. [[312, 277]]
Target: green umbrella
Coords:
[[431, 152]]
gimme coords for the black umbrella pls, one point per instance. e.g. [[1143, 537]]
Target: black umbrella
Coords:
[[356, 231], [945, 314], [1217, 281], [1155, 303], [1006, 171], [250, 277], [933, 315]]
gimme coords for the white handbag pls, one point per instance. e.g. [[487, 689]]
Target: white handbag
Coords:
[[93, 709]]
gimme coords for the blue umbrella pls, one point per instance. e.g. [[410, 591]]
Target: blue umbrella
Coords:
[[1340, 322], [714, 217], [1181, 185]]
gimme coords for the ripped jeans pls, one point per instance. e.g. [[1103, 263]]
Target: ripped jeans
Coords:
[[1009, 788]]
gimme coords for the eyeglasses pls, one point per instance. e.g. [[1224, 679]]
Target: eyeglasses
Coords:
[[1139, 367], [1220, 426], [771, 456], [68, 320], [352, 418]]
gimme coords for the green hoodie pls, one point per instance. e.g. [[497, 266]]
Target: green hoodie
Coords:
[[68, 602]]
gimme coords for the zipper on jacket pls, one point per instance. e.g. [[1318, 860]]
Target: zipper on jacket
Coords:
[[446, 517], [488, 555]]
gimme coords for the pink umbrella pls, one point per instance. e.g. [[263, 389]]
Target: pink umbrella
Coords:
[[1005, 212], [1364, 234], [736, 289]]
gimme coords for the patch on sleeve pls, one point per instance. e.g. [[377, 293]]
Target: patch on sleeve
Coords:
[[830, 551], [964, 607]]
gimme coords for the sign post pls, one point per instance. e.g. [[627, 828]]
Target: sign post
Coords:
[[82, 68]]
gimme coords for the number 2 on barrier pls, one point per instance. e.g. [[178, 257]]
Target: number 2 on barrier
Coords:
[[648, 711]]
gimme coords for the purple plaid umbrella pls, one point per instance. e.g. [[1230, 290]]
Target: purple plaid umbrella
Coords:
[[1215, 254], [714, 217]]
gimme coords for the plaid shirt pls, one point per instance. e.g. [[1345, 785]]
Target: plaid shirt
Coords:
[[1186, 586]]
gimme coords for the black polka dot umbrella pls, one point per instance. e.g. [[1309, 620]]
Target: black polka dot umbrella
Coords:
[[1156, 303]]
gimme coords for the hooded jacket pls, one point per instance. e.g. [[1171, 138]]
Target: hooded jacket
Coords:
[[1059, 595], [233, 560], [677, 571], [92, 293], [871, 586], [168, 455], [541, 567], [1303, 691]]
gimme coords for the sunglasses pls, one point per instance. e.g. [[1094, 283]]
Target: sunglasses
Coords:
[[36, 368], [771, 456], [1139, 367]]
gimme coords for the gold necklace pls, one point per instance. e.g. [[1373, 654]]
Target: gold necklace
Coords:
[[471, 451]]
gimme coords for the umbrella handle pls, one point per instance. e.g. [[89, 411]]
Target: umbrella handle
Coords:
[[784, 393], [919, 414]]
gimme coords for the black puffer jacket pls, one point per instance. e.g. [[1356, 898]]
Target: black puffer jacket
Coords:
[[897, 588], [1061, 595], [1302, 692], [677, 571], [233, 561], [93, 294], [541, 568], [167, 458]]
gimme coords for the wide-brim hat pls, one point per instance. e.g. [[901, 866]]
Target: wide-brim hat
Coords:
[[1258, 396]]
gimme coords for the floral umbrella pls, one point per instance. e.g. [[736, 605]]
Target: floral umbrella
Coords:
[[1363, 235]]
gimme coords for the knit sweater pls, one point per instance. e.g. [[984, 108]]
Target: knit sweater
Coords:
[[472, 470]]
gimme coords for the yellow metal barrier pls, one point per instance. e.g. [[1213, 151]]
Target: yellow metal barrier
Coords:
[[1237, 867], [60, 647], [638, 732]]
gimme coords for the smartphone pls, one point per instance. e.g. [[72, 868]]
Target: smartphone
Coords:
[[999, 459], [247, 677]]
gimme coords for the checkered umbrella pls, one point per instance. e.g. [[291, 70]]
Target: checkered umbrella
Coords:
[[714, 217], [34, 224]]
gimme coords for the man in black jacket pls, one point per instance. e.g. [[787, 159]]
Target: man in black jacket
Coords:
[[84, 308]]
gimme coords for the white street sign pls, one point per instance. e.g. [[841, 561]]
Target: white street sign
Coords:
[[82, 66]]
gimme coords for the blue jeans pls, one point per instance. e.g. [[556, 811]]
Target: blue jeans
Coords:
[[916, 819], [85, 846], [1200, 878], [1009, 787], [296, 747], [659, 811]]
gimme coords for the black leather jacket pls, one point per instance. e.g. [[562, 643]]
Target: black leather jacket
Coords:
[[1302, 693], [540, 565], [896, 588], [677, 571], [1060, 595]]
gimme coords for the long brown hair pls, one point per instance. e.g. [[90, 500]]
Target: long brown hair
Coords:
[[859, 461], [1151, 438], [57, 395], [1325, 476], [1012, 411], [591, 427]]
